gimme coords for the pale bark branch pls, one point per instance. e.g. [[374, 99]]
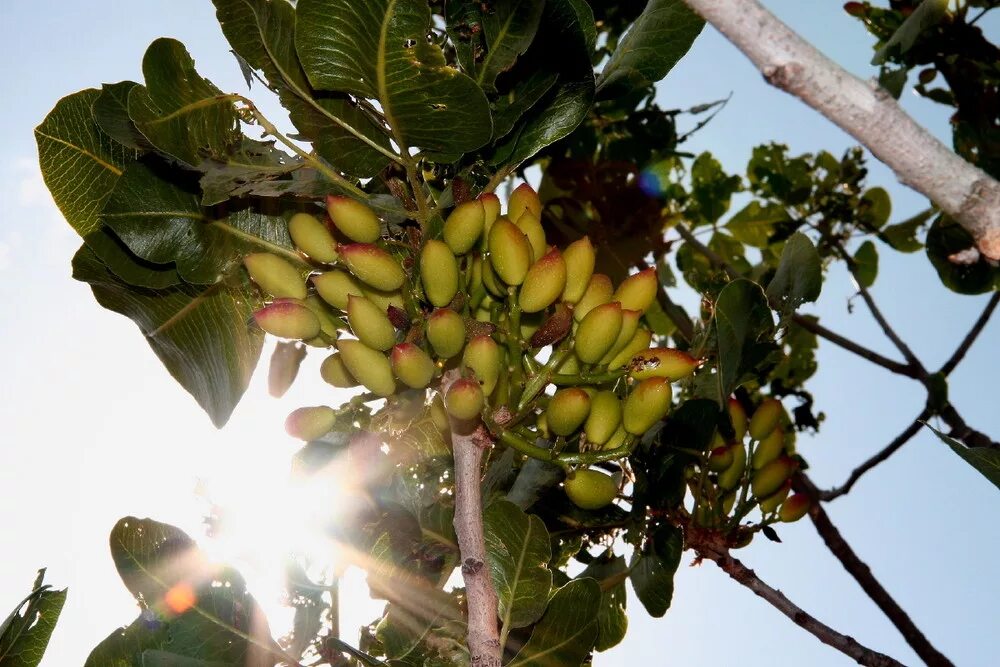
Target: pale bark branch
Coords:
[[865, 111]]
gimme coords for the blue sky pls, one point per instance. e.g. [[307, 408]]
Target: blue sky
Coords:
[[95, 429]]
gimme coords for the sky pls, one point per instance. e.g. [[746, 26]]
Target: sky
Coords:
[[95, 429]]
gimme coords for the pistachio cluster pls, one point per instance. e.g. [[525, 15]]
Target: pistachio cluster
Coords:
[[553, 358]]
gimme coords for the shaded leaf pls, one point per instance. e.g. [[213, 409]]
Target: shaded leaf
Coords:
[[517, 545], [653, 570], [24, 635], [866, 264], [567, 631], [612, 621], [199, 333], [799, 277], [657, 40], [927, 14], [959, 264], [984, 459], [876, 207], [509, 27], [754, 223], [110, 111], [743, 321], [132, 269]]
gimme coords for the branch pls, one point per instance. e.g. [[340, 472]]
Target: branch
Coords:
[[846, 645], [863, 575], [970, 338], [866, 112], [851, 346], [961, 431]]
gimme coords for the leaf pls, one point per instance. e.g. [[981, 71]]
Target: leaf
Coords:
[[182, 114], [876, 207], [903, 236], [893, 79], [24, 636], [517, 546], [742, 321], [959, 264], [132, 269], [711, 188], [926, 15], [799, 277], [612, 621], [80, 163], [567, 631], [199, 333], [653, 569], [984, 459], [379, 50], [509, 27], [567, 101], [262, 33], [866, 264], [754, 224], [162, 222], [657, 40], [110, 111]]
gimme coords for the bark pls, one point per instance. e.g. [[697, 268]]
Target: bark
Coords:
[[865, 111]]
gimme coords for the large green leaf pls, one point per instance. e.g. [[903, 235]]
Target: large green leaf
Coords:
[[258, 168], [926, 15], [379, 50], [518, 549], [744, 326], [199, 333], [562, 105], [961, 267], [657, 40], [568, 630], [653, 570], [24, 635], [80, 163], [799, 277], [754, 223], [162, 222], [262, 32], [182, 114], [612, 620], [123, 263], [984, 459], [509, 27], [110, 111]]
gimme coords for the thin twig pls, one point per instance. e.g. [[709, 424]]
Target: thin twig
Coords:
[[858, 569], [709, 254], [970, 338], [849, 345], [846, 645], [962, 432]]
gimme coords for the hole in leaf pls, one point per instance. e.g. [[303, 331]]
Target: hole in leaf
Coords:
[[410, 43], [439, 106]]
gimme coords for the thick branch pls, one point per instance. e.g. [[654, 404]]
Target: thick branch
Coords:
[[866, 112], [970, 338], [863, 575], [846, 645]]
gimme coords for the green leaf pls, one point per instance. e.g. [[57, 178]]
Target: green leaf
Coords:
[[25, 635], [80, 163], [711, 188], [743, 322], [959, 264], [154, 658], [653, 570], [379, 50], [199, 333], [866, 264], [754, 223], [161, 221], [926, 15], [125, 265], [903, 236], [657, 40], [182, 114], [567, 631], [262, 33], [110, 111], [612, 621], [509, 27], [893, 79], [565, 102], [984, 459], [876, 207], [799, 277], [518, 549]]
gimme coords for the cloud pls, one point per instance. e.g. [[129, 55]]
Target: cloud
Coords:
[[33, 225]]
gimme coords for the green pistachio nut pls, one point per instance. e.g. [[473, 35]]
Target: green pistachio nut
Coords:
[[384, 298], [491, 209], [524, 199], [591, 489], [490, 279], [510, 252], [544, 282], [438, 272], [275, 276], [617, 438], [373, 266], [412, 365], [288, 318], [773, 501], [728, 502], [765, 418], [662, 362], [570, 365], [356, 220], [737, 417], [464, 226], [770, 477], [721, 458], [768, 449], [446, 332], [579, 257], [794, 508], [335, 286], [464, 400], [482, 356], [312, 237], [647, 403], [438, 414], [531, 226], [730, 478], [597, 332], [630, 324], [638, 291], [369, 367], [567, 410], [370, 324], [542, 424], [605, 417], [640, 341], [284, 367], [334, 371], [310, 423], [598, 292]]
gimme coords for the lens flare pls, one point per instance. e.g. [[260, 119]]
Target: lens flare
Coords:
[[655, 179]]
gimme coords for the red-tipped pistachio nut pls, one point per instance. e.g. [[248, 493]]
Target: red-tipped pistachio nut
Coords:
[[310, 423], [369, 367], [638, 291], [491, 209], [531, 226], [662, 362], [464, 226], [566, 410], [768, 449], [446, 332], [544, 282], [334, 371], [524, 199], [771, 503], [284, 367], [464, 400], [312, 237], [765, 418], [412, 365], [598, 292], [482, 356], [597, 332], [356, 220], [769, 478], [647, 403], [605, 417], [288, 318], [720, 458], [372, 266], [794, 508], [738, 418], [335, 286], [579, 257], [510, 252], [438, 272], [370, 323], [591, 489], [275, 275]]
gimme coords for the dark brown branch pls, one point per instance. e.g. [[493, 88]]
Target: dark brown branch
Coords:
[[878, 458], [860, 350], [962, 431], [846, 645], [857, 568], [970, 338]]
